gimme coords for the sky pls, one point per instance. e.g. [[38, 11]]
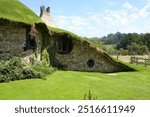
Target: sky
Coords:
[[97, 18]]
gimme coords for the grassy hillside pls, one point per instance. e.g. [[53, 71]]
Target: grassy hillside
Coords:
[[60, 31], [16, 11], [73, 85]]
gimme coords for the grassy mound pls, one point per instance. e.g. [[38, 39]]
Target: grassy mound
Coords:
[[15, 11]]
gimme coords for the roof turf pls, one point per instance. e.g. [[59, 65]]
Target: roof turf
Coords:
[[14, 10]]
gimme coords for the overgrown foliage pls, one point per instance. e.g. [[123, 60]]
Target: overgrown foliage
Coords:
[[45, 58], [46, 44], [15, 69]]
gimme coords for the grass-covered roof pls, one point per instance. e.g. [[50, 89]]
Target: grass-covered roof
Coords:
[[63, 31], [14, 10]]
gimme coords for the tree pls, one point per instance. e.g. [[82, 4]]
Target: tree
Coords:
[[137, 49], [146, 40]]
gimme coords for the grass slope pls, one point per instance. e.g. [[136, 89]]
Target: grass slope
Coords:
[[73, 85], [63, 31], [15, 11]]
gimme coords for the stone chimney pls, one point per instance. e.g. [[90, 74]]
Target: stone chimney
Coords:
[[46, 16], [48, 9]]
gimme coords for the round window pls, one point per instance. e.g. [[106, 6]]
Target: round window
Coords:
[[90, 63], [64, 46]]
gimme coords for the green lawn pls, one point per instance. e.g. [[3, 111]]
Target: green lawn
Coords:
[[73, 85]]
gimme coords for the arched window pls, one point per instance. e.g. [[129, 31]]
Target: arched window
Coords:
[[64, 46], [90, 63]]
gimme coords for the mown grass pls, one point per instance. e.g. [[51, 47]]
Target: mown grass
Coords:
[[73, 85], [14, 10]]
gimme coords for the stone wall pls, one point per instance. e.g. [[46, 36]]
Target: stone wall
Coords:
[[32, 55], [13, 39], [82, 52]]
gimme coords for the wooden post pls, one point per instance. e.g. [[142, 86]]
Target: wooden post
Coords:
[[117, 56], [131, 60], [136, 61], [145, 62]]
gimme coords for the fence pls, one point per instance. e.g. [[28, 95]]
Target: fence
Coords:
[[137, 61]]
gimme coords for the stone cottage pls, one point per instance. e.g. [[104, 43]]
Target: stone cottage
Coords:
[[19, 39], [80, 55], [20, 32], [74, 53], [26, 40]]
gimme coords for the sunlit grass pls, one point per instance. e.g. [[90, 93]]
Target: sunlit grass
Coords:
[[73, 85], [15, 11]]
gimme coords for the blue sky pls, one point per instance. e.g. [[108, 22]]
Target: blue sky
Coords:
[[93, 18]]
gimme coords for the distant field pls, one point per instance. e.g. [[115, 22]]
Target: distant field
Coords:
[[127, 58], [64, 85]]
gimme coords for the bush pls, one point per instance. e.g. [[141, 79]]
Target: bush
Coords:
[[29, 73], [44, 70], [14, 69], [123, 51], [45, 58], [10, 70]]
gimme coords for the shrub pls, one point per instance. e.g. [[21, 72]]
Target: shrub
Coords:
[[29, 73], [10, 70], [45, 58], [14, 69], [44, 70]]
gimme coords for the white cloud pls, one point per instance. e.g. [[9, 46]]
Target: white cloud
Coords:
[[127, 19], [127, 5], [73, 23]]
